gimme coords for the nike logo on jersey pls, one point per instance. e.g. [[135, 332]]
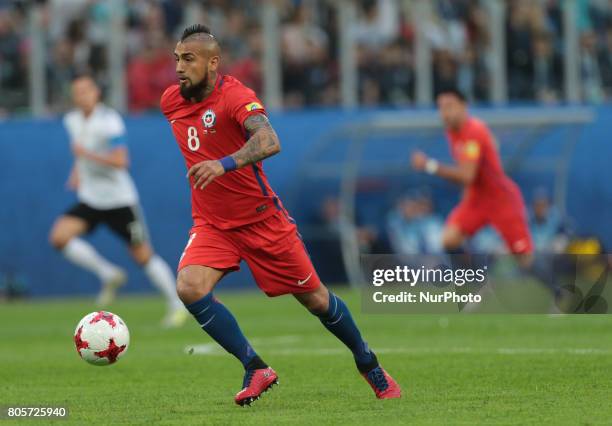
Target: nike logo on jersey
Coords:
[[304, 281]]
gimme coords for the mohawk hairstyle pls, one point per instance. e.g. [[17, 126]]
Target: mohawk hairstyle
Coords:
[[196, 29]]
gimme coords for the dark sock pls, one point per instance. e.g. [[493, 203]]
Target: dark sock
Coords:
[[216, 320], [256, 364], [340, 323]]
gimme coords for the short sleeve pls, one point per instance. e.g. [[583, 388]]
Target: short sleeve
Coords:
[[68, 122], [243, 103], [470, 151], [114, 125], [114, 129]]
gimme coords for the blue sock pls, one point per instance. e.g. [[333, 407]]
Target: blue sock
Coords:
[[216, 320], [339, 321]]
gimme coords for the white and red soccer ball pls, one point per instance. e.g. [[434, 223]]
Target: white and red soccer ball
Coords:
[[101, 338]]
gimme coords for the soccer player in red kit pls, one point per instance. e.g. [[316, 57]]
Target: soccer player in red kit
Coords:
[[490, 197], [223, 132]]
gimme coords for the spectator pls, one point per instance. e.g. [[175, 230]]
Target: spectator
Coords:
[[445, 70], [305, 59], [247, 67], [378, 24], [396, 75], [547, 70], [548, 230], [367, 237], [60, 75], [590, 71], [413, 226], [13, 70], [172, 11], [458, 32], [150, 72], [472, 77], [605, 59], [487, 241], [324, 239], [61, 13], [521, 25]]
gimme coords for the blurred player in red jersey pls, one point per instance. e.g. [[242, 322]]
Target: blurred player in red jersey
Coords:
[[223, 132], [490, 197]]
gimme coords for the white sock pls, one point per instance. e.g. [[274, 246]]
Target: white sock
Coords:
[[161, 276], [83, 254]]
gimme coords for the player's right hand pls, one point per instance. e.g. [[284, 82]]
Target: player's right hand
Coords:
[[418, 160], [204, 172]]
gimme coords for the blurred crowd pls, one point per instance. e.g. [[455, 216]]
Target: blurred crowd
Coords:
[[77, 36], [414, 226]]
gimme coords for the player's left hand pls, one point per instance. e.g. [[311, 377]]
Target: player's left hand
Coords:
[[418, 161], [203, 173]]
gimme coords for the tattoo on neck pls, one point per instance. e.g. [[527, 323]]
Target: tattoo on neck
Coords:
[[210, 86]]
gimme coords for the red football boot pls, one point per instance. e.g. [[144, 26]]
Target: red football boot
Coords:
[[254, 384], [383, 385]]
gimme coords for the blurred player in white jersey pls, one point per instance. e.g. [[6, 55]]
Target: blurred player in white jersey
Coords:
[[106, 195]]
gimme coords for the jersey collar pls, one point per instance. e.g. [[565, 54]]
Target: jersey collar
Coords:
[[462, 128], [94, 111], [219, 82]]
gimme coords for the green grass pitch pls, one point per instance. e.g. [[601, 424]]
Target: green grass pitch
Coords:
[[458, 369]]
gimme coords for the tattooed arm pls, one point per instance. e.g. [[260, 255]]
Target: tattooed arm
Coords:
[[262, 144]]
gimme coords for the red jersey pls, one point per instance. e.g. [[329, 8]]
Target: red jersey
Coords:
[[474, 142], [210, 130]]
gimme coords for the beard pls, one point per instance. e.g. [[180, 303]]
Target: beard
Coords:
[[194, 90]]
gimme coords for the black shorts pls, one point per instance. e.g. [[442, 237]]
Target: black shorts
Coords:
[[127, 222]]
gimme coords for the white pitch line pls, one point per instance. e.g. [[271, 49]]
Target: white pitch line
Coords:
[[215, 350]]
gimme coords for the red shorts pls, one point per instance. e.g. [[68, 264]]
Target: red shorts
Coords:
[[272, 248], [508, 219]]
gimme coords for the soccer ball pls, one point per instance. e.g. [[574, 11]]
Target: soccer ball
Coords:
[[101, 338]]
